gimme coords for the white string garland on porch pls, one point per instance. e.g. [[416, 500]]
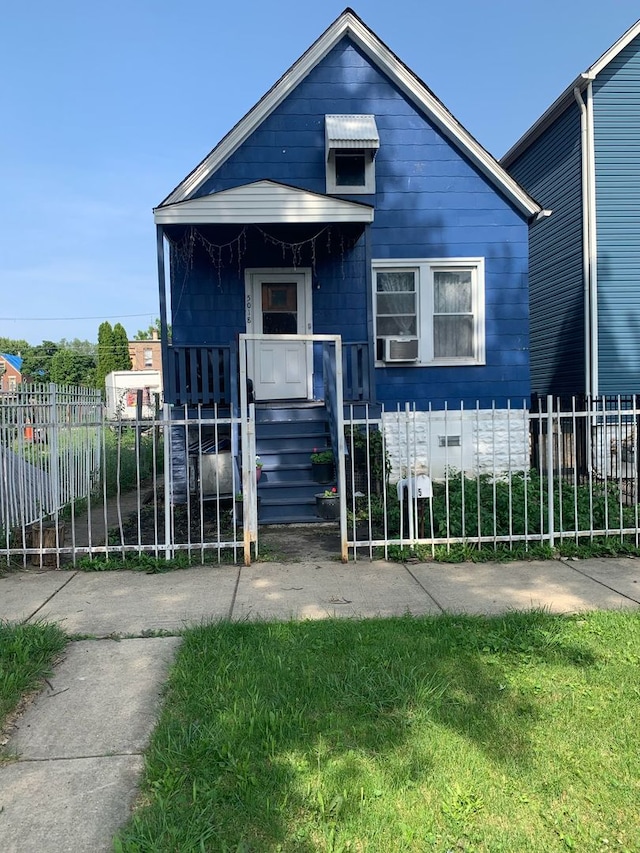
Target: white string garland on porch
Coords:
[[234, 250]]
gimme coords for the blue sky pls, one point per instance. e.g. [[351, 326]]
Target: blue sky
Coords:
[[107, 106]]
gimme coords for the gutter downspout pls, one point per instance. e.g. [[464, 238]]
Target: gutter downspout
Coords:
[[589, 246], [593, 247]]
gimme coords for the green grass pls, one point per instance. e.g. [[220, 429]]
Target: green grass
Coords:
[[129, 456], [26, 656], [516, 733]]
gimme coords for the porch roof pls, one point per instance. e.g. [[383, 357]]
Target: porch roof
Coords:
[[262, 202]]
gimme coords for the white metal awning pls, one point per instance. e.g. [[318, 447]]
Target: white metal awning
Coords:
[[351, 131]]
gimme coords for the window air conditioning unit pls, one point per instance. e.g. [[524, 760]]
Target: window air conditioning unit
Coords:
[[400, 349]]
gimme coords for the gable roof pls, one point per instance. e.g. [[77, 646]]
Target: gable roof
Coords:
[[350, 25], [262, 202], [14, 360], [567, 97]]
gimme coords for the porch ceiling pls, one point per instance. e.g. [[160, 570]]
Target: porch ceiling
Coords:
[[262, 202]]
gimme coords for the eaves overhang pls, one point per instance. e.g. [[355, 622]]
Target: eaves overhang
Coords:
[[262, 202], [350, 25], [567, 98]]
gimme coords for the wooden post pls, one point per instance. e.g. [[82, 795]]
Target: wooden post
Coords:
[[46, 534]]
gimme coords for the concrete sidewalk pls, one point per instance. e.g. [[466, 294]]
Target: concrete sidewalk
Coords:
[[80, 743]]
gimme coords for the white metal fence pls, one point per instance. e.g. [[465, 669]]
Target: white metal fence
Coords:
[[498, 477], [78, 486], [49, 450]]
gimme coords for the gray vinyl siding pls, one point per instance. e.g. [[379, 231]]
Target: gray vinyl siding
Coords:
[[550, 170], [616, 93]]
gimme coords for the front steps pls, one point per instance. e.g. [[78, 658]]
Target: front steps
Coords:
[[286, 436]]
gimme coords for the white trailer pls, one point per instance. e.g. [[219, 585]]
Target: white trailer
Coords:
[[123, 388]]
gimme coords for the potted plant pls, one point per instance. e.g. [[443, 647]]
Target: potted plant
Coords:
[[322, 469], [259, 464], [328, 504]]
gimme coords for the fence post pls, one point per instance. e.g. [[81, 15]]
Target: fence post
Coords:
[[54, 460], [410, 476], [168, 482], [550, 507], [341, 471]]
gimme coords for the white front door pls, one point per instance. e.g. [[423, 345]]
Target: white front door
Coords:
[[279, 303]]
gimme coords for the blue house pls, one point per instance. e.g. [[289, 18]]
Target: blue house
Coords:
[[582, 160], [10, 371], [349, 202]]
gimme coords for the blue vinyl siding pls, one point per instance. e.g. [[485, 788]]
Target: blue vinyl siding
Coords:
[[430, 202], [550, 170], [617, 146], [211, 309]]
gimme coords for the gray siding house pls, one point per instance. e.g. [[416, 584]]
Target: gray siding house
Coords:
[[581, 159]]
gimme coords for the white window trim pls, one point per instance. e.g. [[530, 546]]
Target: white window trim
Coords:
[[425, 268], [369, 186], [351, 134]]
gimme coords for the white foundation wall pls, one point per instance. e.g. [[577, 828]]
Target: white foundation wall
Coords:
[[485, 441]]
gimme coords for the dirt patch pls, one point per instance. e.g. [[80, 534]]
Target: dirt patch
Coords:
[[140, 520], [300, 542], [287, 542]]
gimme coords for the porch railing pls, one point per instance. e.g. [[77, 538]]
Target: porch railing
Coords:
[[207, 375], [356, 372], [204, 375]]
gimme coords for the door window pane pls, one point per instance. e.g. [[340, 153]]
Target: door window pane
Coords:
[[280, 308]]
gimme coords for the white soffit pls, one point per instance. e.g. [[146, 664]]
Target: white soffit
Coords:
[[351, 131], [349, 24], [262, 202]]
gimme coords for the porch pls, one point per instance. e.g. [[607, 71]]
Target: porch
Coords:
[[335, 380], [196, 374]]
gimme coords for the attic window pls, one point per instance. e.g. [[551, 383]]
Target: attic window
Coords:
[[351, 143]]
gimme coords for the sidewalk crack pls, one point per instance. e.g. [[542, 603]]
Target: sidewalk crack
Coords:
[[424, 589], [47, 600], [605, 585]]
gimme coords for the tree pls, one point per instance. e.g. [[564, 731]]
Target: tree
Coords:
[[77, 345], [113, 351], [147, 334], [36, 363], [14, 347], [105, 362], [69, 367], [154, 328], [121, 348]]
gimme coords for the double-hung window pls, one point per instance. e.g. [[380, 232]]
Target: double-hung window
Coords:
[[429, 311], [396, 300]]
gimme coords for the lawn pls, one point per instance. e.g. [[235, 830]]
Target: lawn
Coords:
[[27, 653], [517, 733]]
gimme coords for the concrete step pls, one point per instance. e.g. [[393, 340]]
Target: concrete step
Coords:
[[287, 510], [285, 439]]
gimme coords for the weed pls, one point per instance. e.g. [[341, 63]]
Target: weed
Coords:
[[26, 655]]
